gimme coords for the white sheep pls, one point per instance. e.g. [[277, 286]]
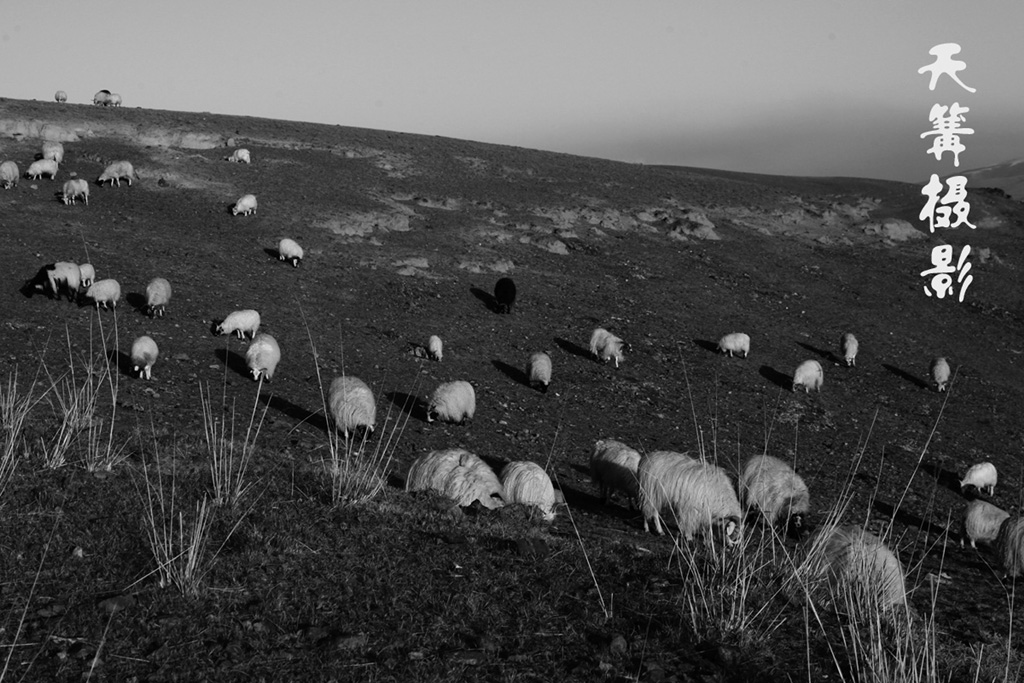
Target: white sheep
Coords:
[[239, 155], [352, 405], [114, 100], [459, 475], [452, 402], [982, 522], [435, 347], [240, 323], [848, 347], [245, 205], [61, 96], [940, 373], [102, 97], [262, 356], [737, 342], [144, 354], [539, 370], [856, 565], [53, 150], [773, 488], [1010, 545], [104, 292], [604, 346], [74, 189], [528, 484], [41, 167], [699, 495], [613, 467], [87, 274], [809, 375], [289, 250], [982, 477], [116, 171], [57, 277], [158, 295], [9, 174]]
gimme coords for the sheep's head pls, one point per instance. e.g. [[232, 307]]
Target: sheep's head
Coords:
[[732, 530]]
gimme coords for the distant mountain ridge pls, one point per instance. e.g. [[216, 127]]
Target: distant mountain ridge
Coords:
[[1008, 176]]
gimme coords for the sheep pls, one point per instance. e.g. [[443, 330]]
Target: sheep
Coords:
[[240, 323], [61, 96], [288, 250], [352, 405], [53, 150], [940, 373], [809, 375], [848, 347], [734, 343], [539, 370], [114, 100], [245, 205], [1010, 545], [504, 295], [144, 354], [771, 487], [604, 346], [54, 278], [613, 467], [262, 356], [9, 174], [857, 565], [459, 475], [75, 188], [980, 477], [42, 167], [982, 522], [435, 347], [700, 495], [240, 155], [527, 483], [102, 97], [104, 292], [117, 170], [452, 402], [87, 274], [158, 295]]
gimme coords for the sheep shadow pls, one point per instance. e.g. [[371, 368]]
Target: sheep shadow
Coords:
[[779, 379], [295, 412], [234, 362], [410, 404], [272, 253], [909, 519], [943, 477], [513, 373], [707, 345], [573, 348], [136, 301], [122, 361], [903, 374], [827, 355], [487, 298]]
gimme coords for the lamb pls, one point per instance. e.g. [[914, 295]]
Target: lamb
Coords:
[[288, 250], [54, 278], [61, 96], [604, 346], [158, 295], [245, 205], [700, 495], [940, 373], [9, 174], [770, 486], [87, 274], [102, 97], [74, 189], [504, 295], [982, 522], [41, 167], [114, 100], [1010, 545], [528, 484], [352, 405], [980, 477], [857, 564], [452, 402], [459, 475], [734, 343], [809, 375], [613, 467], [117, 170], [240, 155], [104, 292], [240, 323], [53, 150], [539, 371], [144, 354], [848, 347], [435, 347], [262, 356]]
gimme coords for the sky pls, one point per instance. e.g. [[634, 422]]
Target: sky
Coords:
[[810, 87]]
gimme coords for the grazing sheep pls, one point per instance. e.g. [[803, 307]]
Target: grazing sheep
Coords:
[[117, 170], [734, 343], [504, 294], [41, 167], [613, 467], [982, 477], [858, 566], [809, 375], [55, 278], [540, 370], [114, 100], [61, 96], [240, 155], [352, 405], [528, 484], [9, 174], [604, 346], [245, 205], [982, 522], [240, 323], [144, 354], [699, 495], [289, 250], [104, 292], [262, 356], [87, 274], [435, 347], [102, 97], [452, 402], [848, 347], [1010, 545], [74, 189], [459, 475], [53, 150], [770, 486], [158, 295], [940, 373]]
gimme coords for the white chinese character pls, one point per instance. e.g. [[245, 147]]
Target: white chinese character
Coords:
[[941, 282], [945, 64], [939, 216], [947, 130]]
